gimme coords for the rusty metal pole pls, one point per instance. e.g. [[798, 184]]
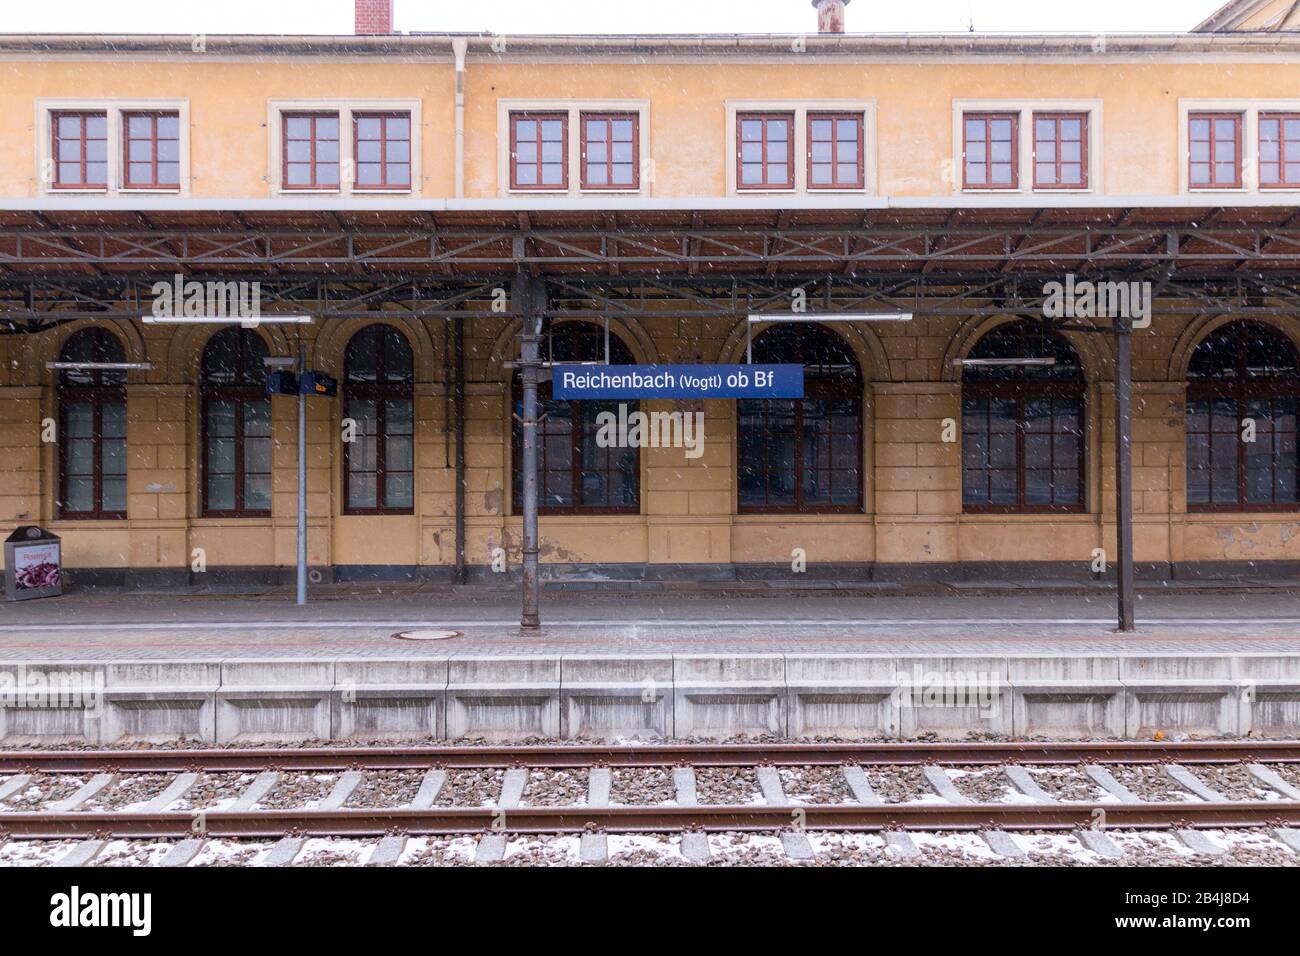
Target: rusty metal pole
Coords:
[[1124, 470], [531, 297]]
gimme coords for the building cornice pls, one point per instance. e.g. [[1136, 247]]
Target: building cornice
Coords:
[[491, 47]]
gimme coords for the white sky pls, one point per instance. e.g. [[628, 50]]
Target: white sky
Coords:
[[600, 16]]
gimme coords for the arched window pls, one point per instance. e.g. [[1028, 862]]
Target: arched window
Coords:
[[379, 466], [236, 426], [92, 449], [803, 454], [1022, 424], [1243, 389], [574, 474]]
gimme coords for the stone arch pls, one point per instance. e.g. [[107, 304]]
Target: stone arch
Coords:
[[185, 347], [1095, 358], [1197, 331], [634, 337], [327, 351], [38, 349], [863, 342]]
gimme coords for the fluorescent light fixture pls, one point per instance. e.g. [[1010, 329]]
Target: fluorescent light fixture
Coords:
[[98, 366], [1037, 362], [151, 319], [549, 364], [830, 317]]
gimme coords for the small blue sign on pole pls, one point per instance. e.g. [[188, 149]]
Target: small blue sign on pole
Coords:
[[614, 382]]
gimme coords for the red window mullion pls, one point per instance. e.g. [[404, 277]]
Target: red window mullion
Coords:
[[1283, 180], [83, 141], [539, 140], [1058, 140], [986, 121], [1213, 142], [608, 120], [765, 120], [835, 118]]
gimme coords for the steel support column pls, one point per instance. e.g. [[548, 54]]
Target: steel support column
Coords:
[[302, 477], [458, 416], [1124, 470], [530, 297]]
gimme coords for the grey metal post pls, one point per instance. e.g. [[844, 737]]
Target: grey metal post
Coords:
[[302, 477], [458, 413], [532, 304], [1124, 470]]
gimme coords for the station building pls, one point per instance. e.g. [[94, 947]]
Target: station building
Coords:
[[427, 199]]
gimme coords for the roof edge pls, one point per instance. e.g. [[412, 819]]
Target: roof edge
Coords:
[[490, 45]]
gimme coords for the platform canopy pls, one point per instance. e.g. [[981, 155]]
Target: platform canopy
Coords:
[[721, 258]]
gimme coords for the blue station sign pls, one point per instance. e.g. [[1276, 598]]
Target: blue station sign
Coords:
[[613, 382]]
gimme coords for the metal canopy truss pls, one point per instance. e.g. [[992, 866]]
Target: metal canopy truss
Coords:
[[462, 244], [30, 303]]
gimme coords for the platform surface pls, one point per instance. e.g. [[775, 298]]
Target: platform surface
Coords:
[[359, 622]]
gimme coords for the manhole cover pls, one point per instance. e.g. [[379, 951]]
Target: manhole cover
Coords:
[[426, 634]]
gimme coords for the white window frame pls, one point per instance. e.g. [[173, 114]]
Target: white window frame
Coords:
[[345, 108], [574, 110], [1249, 111], [801, 109], [1026, 110], [113, 110]]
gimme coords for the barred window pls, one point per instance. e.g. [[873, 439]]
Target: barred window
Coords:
[[1243, 390], [1022, 425], [236, 426], [92, 434], [574, 474], [379, 391], [803, 455]]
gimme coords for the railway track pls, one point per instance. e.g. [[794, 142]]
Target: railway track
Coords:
[[941, 775]]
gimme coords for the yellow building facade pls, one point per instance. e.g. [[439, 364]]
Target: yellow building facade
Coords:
[[912, 103]]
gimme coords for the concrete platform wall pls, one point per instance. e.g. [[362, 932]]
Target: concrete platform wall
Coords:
[[647, 697]]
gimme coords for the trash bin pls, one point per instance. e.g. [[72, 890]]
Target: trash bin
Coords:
[[33, 564]]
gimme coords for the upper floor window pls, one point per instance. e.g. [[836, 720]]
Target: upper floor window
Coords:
[[539, 150], [610, 151], [765, 151], [1243, 396], [80, 150], [1022, 424], [803, 455], [1214, 150], [990, 150], [153, 150], [113, 146], [311, 150], [236, 426], [835, 151], [1060, 150], [382, 147], [1279, 150], [92, 409], [379, 466]]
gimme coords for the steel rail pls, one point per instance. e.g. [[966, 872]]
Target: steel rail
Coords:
[[642, 819], [649, 755]]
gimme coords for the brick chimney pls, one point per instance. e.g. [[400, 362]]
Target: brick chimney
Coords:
[[373, 16], [830, 15]]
